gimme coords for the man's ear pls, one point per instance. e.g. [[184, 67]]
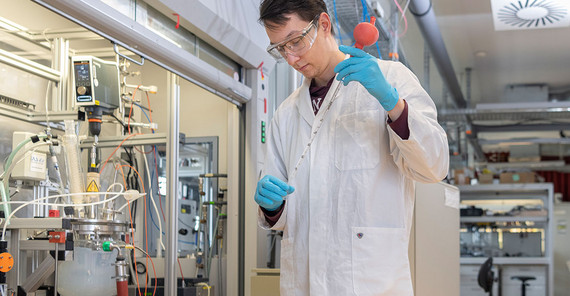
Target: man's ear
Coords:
[[325, 22]]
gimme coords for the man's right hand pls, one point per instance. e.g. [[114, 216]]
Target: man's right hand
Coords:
[[271, 191]]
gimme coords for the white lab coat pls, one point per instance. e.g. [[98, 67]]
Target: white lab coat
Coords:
[[347, 225]]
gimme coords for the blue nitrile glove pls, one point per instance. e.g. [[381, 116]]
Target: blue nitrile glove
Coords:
[[270, 192], [364, 68]]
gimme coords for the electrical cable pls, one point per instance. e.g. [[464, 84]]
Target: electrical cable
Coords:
[[405, 19], [378, 49], [134, 253], [153, 202], [145, 210], [405, 9], [153, 270], [120, 121], [364, 10], [147, 117], [113, 153], [336, 21], [131, 109]]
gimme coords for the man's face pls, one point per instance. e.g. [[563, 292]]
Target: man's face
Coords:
[[307, 63]]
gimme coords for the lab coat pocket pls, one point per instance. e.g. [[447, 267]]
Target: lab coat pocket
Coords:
[[380, 264], [287, 278], [357, 140]]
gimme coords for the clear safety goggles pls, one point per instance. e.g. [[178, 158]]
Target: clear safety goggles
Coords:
[[296, 45]]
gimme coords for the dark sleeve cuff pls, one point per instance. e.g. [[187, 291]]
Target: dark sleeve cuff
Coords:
[[273, 216], [400, 125]]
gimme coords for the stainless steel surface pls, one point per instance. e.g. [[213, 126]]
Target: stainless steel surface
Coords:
[[430, 30], [172, 148], [29, 66], [89, 229], [112, 142]]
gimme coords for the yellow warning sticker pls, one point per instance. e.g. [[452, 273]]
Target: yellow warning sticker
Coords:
[[92, 187]]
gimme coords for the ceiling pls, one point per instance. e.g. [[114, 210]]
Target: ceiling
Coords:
[[539, 56]]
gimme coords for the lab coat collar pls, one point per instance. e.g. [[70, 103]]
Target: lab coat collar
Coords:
[[304, 102]]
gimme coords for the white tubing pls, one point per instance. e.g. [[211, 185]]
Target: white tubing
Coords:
[[152, 200], [37, 201]]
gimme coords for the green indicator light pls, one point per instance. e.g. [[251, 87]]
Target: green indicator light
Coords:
[[263, 123], [263, 129], [262, 140], [263, 135]]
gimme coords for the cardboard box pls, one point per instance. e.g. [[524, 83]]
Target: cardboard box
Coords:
[[522, 177], [461, 178], [485, 178]]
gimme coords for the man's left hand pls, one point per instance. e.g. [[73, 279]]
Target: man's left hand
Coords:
[[364, 68]]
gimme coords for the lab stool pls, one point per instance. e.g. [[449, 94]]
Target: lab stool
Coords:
[[523, 280]]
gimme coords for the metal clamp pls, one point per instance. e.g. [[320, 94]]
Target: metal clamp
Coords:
[[116, 48]]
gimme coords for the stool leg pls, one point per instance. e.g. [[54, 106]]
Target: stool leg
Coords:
[[523, 289]]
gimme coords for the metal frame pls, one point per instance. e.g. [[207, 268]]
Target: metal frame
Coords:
[[144, 139], [122, 30], [172, 148], [29, 66], [544, 191]]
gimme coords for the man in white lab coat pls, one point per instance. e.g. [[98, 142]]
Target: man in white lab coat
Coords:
[[345, 208]]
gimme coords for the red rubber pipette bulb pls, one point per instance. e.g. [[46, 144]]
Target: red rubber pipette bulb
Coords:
[[365, 34]]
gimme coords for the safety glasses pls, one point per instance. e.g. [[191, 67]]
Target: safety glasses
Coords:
[[296, 45]]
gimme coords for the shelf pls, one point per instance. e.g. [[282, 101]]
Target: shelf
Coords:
[[507, 260], [501, 188], [503, 219]]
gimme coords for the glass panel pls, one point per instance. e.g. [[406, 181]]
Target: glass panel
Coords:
[[165, 26]]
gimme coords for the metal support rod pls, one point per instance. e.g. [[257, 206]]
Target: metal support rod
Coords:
[[55, 269], [172, 146], [29, 66], [60, 52], [468, 86], [241, 206]]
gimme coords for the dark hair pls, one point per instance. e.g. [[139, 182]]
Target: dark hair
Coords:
[[274, 11]]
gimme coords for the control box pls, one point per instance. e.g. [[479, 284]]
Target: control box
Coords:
[[96, 82], [33, 166]]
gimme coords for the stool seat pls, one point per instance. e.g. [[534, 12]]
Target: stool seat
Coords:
[[523, 278]]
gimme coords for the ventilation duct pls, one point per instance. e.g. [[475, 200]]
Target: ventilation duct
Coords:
[[530, 14]]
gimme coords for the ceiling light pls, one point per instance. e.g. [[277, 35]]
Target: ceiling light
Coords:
[[530, 14], [480, 53]]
